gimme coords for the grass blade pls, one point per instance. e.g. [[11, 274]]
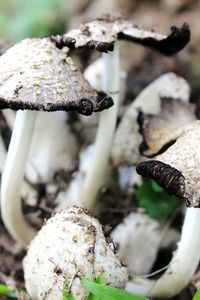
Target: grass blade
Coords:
[[197, 295], [4, 290], [108, 293]]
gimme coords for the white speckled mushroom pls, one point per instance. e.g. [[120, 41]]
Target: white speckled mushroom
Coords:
[[177, 170], [36, 75], [69, 246]]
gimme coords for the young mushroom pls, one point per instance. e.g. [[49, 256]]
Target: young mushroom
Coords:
[[178, 171], [35, 75], [102, 34], [69, 246]]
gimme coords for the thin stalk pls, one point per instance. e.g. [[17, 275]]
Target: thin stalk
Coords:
[[105, 132], [12, 178], [182, 266]]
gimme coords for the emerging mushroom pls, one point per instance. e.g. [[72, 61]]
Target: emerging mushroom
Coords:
[[102, 34], [178, 171], [69, 246], [36, 75]]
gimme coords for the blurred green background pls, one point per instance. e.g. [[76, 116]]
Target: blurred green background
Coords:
[[22, 18]]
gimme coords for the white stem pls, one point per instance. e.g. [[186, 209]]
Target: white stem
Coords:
[[182, 266], [107, 123], [13, 176]]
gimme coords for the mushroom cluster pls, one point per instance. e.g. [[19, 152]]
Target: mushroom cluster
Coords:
[[103, 34], [39, 75]]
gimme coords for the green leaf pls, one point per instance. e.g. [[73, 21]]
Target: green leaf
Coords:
[[157, 202], [98, 279], [66, 296], [105, 292], [4, 290], [197, 295]]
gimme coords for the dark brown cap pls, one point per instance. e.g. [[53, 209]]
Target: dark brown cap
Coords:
[[160, 131], [36, 75], [102, 33], [178, 168]]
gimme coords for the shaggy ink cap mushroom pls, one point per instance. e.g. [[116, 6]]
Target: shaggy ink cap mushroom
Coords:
[[102, 33], [125, 148], [160, 131], [36, 75], [69, 246], [178, 171]]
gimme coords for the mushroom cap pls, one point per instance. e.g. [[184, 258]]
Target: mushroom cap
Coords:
[[159, 131], [125, 149], [178, 168], [102, 33], [36, 75], [69, 246]]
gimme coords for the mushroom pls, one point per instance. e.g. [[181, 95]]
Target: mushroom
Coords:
[[102, 34], [69, 246], [125, 149], [159, 131], [36, 75], [137, 233], [178, 171], [133, 236]]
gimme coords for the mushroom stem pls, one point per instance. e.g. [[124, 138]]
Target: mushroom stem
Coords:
[[182, 266], [105, 132], [12, 178]]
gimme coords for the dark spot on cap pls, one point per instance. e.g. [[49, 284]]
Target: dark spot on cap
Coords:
[[103, 102], [85, 107], [166, 176]]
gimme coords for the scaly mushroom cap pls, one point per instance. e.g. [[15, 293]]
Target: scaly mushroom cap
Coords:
[[102, 33], [35, 74], [159, 131], [71, 245], [178, 168]]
